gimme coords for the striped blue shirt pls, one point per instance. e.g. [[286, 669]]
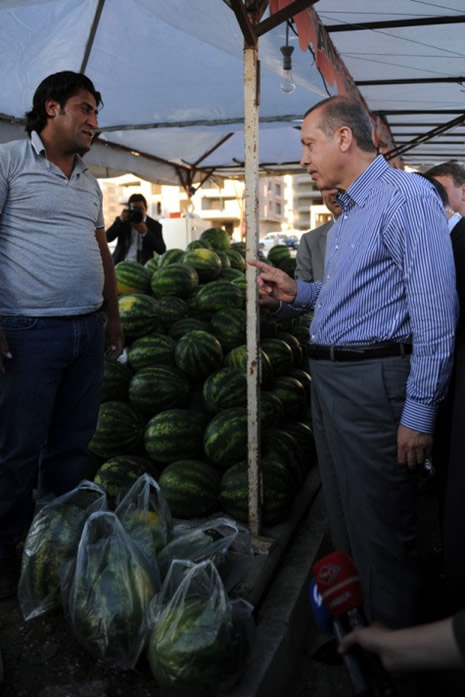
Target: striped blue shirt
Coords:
[[390, 276]]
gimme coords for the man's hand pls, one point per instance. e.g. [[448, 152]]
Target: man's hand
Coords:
[[114, 339], [140, 227], [413, 447], [124, 217], [275, 283], [4, 351]]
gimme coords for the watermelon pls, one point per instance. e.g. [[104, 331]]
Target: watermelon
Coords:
[[294, 343], [230, 274], [280, 446], [271, 410], [191, 488], [120, 428], [305, 379], [182, 326], [278, 492], [171, 256], [302, 334], [116, 379], [241, 282], [225, 260], [174, 434], [205, 261], [109, 593], [240, 247], [174, 279], [278, 253], [132, 277], [194, 647], [224, 389], [218, 295], [198, 244], [191, 301], [152, 264], [118, 474], [225, 438], [237, 358], [236, 259], [303, 434], [198, 353], [288, 266], [158, 387], [154, 349], [292, 395], [139, 314], [218, 238], [229, 327], [172, 309], [51, 542], [280, 355]]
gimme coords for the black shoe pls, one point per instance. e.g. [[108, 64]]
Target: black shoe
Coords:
[[8, 577]]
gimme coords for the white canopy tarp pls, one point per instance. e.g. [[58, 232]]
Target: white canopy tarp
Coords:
[[171, 77]]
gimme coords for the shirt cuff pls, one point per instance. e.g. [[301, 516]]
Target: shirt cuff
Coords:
[[458, 627], [305, 297], [419, 417], [276, 312]]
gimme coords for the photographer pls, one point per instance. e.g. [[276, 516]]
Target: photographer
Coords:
[[138, 235]]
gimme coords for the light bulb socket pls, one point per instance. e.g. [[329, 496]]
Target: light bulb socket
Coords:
[[287, 52]]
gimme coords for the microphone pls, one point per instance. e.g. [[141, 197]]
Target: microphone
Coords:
[[321, 614], [338, 582]]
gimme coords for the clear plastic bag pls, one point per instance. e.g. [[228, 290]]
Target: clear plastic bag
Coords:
[[52, 541], [196, 647], [146, 517], [209, 540], [107, 591]]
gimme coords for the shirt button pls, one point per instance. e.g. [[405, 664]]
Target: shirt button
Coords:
[[313, 336], [345, 217], [328, 275], [319, 304], [337, 246]]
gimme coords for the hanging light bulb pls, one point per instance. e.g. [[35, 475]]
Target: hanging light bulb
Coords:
[[287, 84]]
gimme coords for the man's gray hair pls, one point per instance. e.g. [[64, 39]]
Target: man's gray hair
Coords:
[[341, 111]]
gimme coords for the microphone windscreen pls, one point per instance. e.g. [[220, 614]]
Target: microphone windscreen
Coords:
[[338, 582], [321, 614]]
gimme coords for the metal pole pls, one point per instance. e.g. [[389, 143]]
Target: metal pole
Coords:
[[251, 103]]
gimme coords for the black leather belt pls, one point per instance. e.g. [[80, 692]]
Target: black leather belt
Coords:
[[358, 353]]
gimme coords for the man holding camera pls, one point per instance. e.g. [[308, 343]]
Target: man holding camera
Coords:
[[139, 236]]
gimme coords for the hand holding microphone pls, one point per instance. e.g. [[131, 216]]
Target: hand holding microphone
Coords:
[[338, 582]]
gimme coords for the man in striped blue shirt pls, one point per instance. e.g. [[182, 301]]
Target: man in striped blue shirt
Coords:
[[380, 348]]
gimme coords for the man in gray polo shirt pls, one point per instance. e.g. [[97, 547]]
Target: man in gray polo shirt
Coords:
[[56, 275]]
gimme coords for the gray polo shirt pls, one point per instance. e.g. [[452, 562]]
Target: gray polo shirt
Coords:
[[50, 262]]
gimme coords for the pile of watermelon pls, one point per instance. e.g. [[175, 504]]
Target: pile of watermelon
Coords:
[[177, 408]]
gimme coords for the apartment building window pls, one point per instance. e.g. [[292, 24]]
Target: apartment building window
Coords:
[[277, 189], [278, 208]]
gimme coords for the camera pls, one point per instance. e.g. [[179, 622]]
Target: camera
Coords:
[[135, 215]]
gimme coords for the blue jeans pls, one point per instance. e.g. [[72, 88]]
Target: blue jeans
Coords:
[[49, 399]]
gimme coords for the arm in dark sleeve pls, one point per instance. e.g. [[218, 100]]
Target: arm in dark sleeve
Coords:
[[153, 238], [116, 229]]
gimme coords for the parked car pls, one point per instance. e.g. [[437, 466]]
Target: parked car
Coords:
[[274, 238]]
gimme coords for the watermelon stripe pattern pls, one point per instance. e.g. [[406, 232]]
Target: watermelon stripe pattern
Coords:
[[132, 277], [155, 349], [225, 389], [205, 261], [174, 279], [191, 488], [158, 387], [225, 438], [139, 314], [120, 428], [174, 434], [218, 295], [198, 353]]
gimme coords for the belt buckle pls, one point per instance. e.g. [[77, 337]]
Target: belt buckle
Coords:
[[331, 354]]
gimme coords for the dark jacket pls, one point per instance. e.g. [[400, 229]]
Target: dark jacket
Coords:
[[152, 241]]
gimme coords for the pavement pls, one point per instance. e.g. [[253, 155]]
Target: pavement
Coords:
[[283, 662]]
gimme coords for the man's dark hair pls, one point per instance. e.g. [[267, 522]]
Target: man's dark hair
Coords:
[[342, 111], [60, 87], [137, 197], [437, 185], [451, 168]]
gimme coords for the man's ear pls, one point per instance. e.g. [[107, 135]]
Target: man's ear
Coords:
[[463, 192], [345, 138], [51, 108]]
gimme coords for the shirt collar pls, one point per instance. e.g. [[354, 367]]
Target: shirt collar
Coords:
[[39, 147], [361, 187]]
